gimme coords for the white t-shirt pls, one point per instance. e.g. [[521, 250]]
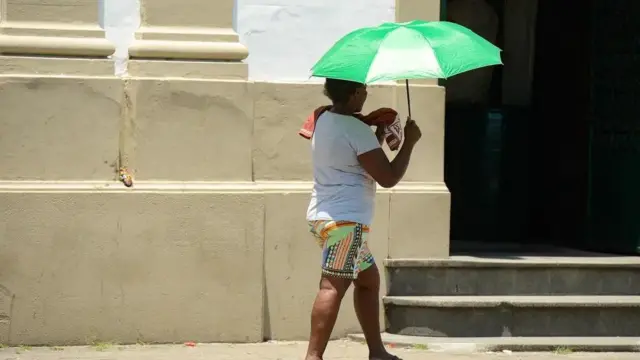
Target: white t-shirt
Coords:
[[342, 189]]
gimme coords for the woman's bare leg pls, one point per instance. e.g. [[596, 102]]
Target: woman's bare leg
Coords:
[[366, 301], [325, 313]]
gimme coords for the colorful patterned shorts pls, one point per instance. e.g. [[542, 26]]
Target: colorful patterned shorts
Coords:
[[345, 252]]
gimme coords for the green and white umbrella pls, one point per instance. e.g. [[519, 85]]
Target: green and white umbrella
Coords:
[[405, 51]]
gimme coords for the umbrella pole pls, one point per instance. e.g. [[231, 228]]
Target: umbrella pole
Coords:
[[408, 98]]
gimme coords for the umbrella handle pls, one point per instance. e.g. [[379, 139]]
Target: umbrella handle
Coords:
[[408, 98]]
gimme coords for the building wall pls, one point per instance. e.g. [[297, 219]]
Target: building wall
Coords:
[[210, 244], [287, 37]]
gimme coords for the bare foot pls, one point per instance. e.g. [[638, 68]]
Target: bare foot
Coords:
[[385, 356], [309, 357]]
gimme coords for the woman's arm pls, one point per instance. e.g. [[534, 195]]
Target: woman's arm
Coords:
[[389, 173], [386, 173]]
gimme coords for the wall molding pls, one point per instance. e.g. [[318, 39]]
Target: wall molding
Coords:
[[51, 45], [188, 50], [258, 187], [101, 47]]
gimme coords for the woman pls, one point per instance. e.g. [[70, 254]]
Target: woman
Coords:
[[347, 163]]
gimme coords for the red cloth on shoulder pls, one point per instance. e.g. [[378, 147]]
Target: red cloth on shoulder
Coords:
[[382, 117]]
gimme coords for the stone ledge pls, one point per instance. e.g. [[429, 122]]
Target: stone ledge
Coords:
[[101, 47], [101, 67], [172, 33], [193, 50], [189, 187], [47, 45], [48, 29]]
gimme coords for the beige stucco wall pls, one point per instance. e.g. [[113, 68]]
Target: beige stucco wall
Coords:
[[210, 244]]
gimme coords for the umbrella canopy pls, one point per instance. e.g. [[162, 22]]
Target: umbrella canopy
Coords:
[[404, 51]]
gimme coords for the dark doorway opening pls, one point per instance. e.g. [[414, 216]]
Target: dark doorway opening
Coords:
[[519, 162]]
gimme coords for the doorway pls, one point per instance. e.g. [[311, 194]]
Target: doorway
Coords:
[[559, 128], [518, 163]]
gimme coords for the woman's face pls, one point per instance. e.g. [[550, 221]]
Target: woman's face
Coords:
[[359, 98]]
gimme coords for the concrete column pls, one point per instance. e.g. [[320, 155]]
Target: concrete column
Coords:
[[422, 198], [188, 29], [52, 27], [407, 10]]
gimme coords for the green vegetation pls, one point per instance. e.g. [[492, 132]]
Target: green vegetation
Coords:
[[563, 350], [102, 346]]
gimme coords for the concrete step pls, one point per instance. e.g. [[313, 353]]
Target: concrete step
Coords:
[[465, 275], [495, 344], [513, 316]]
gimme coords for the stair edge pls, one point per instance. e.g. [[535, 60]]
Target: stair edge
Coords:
[[553, 301], [495, 344], [531, 262]]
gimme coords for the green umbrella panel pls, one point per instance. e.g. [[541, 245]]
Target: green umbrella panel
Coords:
[[406, 51]]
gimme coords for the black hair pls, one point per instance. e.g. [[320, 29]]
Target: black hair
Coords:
[[340, 91]]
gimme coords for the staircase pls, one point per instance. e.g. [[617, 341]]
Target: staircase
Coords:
[[517, 303]]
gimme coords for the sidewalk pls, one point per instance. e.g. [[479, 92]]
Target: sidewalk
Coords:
[[338, 350]]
